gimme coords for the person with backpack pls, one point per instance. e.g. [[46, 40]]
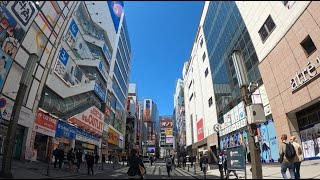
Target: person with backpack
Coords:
[[287, 154], [136, 167], [168, 164], [298, 158]]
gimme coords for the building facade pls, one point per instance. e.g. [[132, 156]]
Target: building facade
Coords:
[[179, 119], [167, 140], [74, 75], [286, 35]]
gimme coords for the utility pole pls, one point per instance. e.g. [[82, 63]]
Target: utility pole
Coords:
[[11, 135], [243, 82]]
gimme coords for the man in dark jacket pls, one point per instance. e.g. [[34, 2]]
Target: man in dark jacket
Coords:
[[134, 162], [79, 159], [60, 157], [55, 154], [90, 162]]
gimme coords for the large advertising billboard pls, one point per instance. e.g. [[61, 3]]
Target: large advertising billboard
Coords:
[[147, 110], [200, 132], [116, 9], [166, 123]]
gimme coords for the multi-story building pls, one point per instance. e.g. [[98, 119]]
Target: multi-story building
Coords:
[[133, 126], [211, 75], [150, 118], [166, 139], [285, 35], [179, 119], [74, 85]]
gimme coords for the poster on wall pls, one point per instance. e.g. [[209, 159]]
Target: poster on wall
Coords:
[[311, 142], [264, 144], [11, 33], [200, 132], [273, 142], [5, 64]]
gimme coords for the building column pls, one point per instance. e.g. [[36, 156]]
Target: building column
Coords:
[[26, 142], [293, 126]]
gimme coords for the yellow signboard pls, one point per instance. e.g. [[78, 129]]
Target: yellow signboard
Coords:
[[169, 131], [113, 137]]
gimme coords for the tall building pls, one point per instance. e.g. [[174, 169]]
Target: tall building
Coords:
[[76, 85], [167, 139], [285, 35], [210, 78], [150, 117], [179, 119]]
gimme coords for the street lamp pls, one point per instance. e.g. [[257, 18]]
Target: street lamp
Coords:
[[246, 98]]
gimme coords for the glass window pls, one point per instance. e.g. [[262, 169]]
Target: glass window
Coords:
[[308, 46], [267, 28], [204, 56], [206, 72], [210, 102], [201, 42]]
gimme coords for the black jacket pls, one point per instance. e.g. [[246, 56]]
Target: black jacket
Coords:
[[90, 160], [134, 162]]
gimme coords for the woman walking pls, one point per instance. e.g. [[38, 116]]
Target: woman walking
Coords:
[[136, 167]]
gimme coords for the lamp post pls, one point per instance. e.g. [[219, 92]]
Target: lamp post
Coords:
[[217, 128], [246, 98]]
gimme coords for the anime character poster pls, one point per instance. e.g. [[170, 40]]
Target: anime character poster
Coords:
[[311, 142], [273, 142], [5, 63], [228, 142], [245, 143], [264, 144], [236, 139]]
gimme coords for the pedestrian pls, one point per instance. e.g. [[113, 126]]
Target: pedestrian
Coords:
[[287, 154], [55, 154], [96, 157], [226, 171], [136, 167], [173, 163], [298, 158], [201, 162], [191, 161], [109, 158], [70, 158], [79, 159], [151, 160], [103, 160], [168, 164], [220, 163], [86, 156], [181, 161], [60, 157], [90, 162], [205, 163], [184, 161]]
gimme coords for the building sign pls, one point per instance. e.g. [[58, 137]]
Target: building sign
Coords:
[[305, 75], [91, 119], [166, 123], [169, 140], [45, 124], [23, 11], [11, 34], [113, 137], [73, 28], [103, 70], [100, 92], [147, 111], [200, 132], [5, 64], [65, 130], [26, 117], [233, 120], [168, 131], [121, 144], [236, 158], [116, 9], [87, 137]]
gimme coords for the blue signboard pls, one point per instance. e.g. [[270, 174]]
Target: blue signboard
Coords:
[[106, 52], [103, 71], [100, 92], [63, 56], [87, 135], [65, 130], [73, 28], [116, 8]]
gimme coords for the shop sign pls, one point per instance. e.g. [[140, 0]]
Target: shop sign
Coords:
[[200, 132], [307, 74], [236, 158], [87, 137], [168, 131], [88, 146], [65, 130], [26, 117], [100, 92], [45, 124], [166, 123], [91, 119], [113, 137], [121, 142]]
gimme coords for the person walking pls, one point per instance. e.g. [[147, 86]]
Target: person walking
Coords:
[[136, 167], [191, 161], [103, 160], [205, 164], [226, 171], [220, 164], [96, 157], [79, 159], [168, 164], [55, 154], [298, 158], [70, 158], [200, 162], [173, 164], [287, 154], [60, 157], [90, 162], [151, 160], [109, 159]]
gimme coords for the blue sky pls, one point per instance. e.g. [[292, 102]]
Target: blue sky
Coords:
[[161, 35]]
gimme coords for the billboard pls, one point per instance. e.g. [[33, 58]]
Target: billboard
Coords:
[[45, 124], [147, 115], [200, 132], [91, 119], [169, 131], [169, 140], [166, 123], [65, 130], [116, 9], [113, 137]]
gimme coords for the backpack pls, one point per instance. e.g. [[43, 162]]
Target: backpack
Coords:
[[290, 152]]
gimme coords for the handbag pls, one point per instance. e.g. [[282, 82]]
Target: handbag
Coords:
[[142, 170]]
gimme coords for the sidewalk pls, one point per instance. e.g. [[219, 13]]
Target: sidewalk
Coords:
[[38, 170], [308, 170]]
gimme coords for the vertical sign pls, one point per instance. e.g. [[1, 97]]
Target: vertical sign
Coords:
[[200, 129], [116, 9]]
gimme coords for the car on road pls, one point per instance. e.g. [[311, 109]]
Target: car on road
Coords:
[[146, 159]]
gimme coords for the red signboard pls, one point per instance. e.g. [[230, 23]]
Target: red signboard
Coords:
[[166, 123], [200, 129], [45, 124]]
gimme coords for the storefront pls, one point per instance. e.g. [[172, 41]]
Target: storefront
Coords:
[[44, 127], [88, 142], [65, 136], [18, 141]]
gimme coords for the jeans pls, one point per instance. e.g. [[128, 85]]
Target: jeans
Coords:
[[297, 170], [284, 167], [168, 170], [90, 167]]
